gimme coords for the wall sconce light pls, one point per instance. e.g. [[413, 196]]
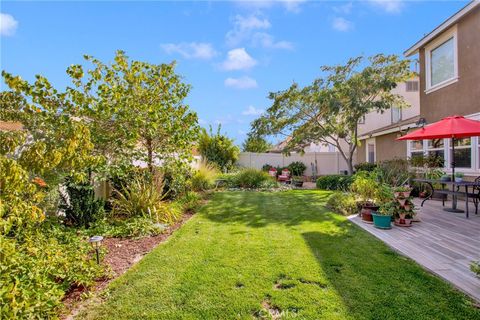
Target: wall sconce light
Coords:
[[421, 123], [96, 242]]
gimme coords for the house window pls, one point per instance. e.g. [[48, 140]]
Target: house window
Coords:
[[371, 152], [396, 114], [463, 153], [436, 150], [416, 149], [441, 61], [412, 86]]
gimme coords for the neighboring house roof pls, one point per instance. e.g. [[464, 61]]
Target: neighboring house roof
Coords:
[[10, 126], [444, 26], [394, 127]]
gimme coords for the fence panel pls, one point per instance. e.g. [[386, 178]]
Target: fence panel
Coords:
[[325, 162]]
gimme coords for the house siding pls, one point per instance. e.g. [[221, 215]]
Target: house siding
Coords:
[[389, 148], [463, 96]]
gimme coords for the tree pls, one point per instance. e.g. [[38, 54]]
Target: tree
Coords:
[[218, 149], [329, 109], [137, 111], [256, 144]]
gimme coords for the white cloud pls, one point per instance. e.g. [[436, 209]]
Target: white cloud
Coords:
[[289, 5], [344, 8], [266, 40], [252, 29], [252, 111], [8, 24], [241, 83], [389, 6], [243, 28], [342, 24], [238, 59], [191, 50]]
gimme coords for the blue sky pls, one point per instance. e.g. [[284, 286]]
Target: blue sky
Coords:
[[232, 53]]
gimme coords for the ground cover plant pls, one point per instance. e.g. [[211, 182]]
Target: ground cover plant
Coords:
[[254, 255]]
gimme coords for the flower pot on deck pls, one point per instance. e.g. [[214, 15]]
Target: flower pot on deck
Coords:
[[366, 212], [382, 221], [403, 222]]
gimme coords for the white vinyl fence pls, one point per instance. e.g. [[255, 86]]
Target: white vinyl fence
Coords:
[[324, 162]]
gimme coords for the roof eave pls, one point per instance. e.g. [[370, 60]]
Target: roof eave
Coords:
[[442, 27]]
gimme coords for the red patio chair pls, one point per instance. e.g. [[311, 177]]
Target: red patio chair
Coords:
[[272, 172], [285, 176]]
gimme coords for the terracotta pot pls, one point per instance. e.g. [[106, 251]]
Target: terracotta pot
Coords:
[[403, 222], [407, 207], [406, 194], [397, 194], [402, 216], [366, 213], [402, 201]]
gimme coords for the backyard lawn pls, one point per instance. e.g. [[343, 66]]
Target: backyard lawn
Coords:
[[283, 255]]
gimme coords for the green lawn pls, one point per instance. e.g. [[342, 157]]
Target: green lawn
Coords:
[[248, 251]]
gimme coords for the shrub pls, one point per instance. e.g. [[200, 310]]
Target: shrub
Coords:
[[297, 168], [334, 182], [218, 149], [343, 203], [204, 178], [79, 204], [365, 166], [189, 201], [475, 267], [134, 227], [141, 197], [266, 167], [251, 178], [36, 272], [394, 172]]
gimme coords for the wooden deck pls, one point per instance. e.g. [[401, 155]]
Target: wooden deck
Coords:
[[444, 243]]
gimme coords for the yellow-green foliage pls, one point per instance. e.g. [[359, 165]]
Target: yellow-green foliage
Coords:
[[204, 177], [343, 203]]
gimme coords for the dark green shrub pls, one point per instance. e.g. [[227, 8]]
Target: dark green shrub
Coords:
[[79, 204], [297, 168], [249, 179], [343, 203], [334, 182], [266, 167], [365, 166], [37, 271], [475, 267]]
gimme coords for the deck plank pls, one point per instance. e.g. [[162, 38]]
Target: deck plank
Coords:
[[443, 242]]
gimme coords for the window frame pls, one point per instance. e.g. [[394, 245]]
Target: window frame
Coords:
[[447, 35], [373, 142], [400, 118]]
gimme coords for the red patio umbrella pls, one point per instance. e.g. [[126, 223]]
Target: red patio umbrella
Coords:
[[453, 127]]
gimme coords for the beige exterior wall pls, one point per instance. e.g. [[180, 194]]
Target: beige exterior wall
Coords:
[[388, 148], [461, 97], [376, 120]]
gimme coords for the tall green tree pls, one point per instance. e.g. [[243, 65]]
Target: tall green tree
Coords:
[[218, 149], [256, 144], [137, 110], [329, 109]]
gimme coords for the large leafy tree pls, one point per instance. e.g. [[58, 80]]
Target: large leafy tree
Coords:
[[329, 109], [218, 149], [136, 111], [256, 144]]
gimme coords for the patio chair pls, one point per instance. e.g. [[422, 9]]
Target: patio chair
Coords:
[[285, 176], [476, 193], [272, 172]]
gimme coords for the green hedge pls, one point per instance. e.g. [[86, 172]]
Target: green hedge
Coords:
[[343, 203], [334, 182]]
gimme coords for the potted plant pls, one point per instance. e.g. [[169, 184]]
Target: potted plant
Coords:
[[445, 178], [459, 176], [366, 187], [382, 218], [297, 181], [405, 213], [403, 191]]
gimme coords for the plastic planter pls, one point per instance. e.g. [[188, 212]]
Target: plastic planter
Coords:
[[382, 221]]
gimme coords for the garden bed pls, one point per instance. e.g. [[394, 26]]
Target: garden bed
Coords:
[[121, 254]]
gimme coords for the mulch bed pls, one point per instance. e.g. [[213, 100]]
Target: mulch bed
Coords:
[[121, 255]]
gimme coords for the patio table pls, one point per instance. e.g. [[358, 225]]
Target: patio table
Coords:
[[456, 191]]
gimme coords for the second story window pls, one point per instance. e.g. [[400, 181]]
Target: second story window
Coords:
[[412, 86], [396, 114], [441, 61]]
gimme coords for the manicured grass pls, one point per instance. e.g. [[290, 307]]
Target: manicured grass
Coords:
[[284, 251]]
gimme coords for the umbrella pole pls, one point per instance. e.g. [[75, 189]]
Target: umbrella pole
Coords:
[[454, 197]]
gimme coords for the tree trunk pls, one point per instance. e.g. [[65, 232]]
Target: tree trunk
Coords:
[[149, 155], [350, 165]]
